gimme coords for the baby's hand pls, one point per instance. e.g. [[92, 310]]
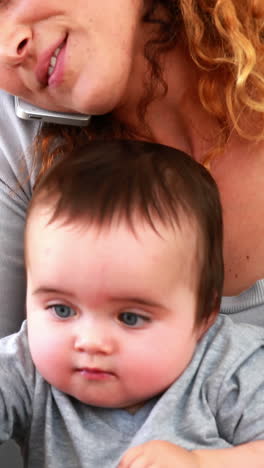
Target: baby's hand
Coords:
[[158, 454]]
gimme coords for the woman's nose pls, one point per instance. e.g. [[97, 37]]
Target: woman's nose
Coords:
[[15, 43]]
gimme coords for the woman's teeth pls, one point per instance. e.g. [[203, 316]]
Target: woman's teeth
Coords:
[[53, 61]]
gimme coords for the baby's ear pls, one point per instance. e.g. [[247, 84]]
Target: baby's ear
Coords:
[[211, 320], [206, 324]]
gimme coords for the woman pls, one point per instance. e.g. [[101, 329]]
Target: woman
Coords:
[[189, 74]]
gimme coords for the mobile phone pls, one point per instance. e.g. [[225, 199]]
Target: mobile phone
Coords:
[[28, 111]]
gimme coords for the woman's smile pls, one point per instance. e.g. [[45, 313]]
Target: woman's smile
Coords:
[[47, 61], [69, 56]]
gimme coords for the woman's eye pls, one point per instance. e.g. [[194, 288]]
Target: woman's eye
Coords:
[[62, 311], [132, 319]]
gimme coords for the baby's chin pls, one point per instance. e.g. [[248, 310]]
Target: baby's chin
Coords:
[[129, 406]]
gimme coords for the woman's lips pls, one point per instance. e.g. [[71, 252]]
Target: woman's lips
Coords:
[[56, 76], [41, 70]]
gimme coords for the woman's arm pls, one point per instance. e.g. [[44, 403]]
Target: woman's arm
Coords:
[[16, 178]]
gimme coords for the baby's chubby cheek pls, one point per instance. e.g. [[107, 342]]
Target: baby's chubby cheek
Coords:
[[43, 353]]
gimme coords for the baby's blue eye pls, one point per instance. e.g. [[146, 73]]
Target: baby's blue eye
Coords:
[[63, 311], [132, 319]]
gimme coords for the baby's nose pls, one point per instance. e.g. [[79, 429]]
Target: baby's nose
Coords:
[[94, 340]]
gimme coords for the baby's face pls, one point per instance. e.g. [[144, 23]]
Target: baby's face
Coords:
[[111, 314]]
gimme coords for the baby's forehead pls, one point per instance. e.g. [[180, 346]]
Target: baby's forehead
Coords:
[[143, 254], [38, 216], [156, 241], [42, 216]]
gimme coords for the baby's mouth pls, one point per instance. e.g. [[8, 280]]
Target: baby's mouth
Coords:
[[92, 373]]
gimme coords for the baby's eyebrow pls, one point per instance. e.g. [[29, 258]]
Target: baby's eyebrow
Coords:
[[137, 300], [50, 290]]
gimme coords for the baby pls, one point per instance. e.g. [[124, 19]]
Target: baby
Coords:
[[123, 360]]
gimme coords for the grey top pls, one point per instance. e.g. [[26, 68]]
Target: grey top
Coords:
[[248, 306], [217, 402], [16, 180]]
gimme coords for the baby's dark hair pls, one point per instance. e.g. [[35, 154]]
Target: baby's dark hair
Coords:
[[112, 181]]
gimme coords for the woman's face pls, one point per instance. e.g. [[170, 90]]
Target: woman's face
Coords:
[[71, 55]]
